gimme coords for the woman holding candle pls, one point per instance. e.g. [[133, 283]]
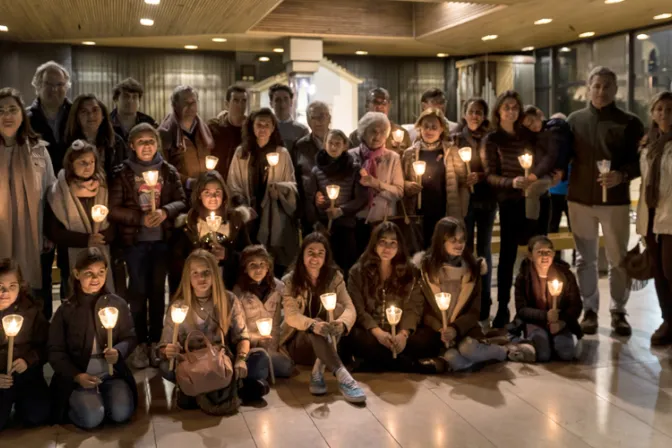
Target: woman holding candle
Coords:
[[68, 219], [145, 229], [306, 334], [82, 389], [335, 166], [220, 316], [270, 190], [22, 383], [444, 186], [548, 321], [260, 293]]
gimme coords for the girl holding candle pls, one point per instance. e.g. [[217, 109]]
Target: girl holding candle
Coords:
[[260, 293], [145, 234], [68, 220], [82, 389], [220, 316], [22, 384], [335, 166], [306, 334], [444, 186], [548, 324], [270, 191]]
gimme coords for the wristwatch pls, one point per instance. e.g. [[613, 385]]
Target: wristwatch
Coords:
[[241, 357]]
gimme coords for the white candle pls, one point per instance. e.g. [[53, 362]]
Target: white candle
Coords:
[[398, 136], [443, 302], [108, 317], [332, 192], [465, 155], [329, 303], [555, 289], [273, 159], [151, 179], [419, 167], [11, 324], [177, 313], [98, 213], [211, 162], [393, 315], [214, 222], [265, 326], [604, 167], [526, 162]]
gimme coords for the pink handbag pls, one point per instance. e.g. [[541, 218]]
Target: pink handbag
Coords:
[[203, 370]]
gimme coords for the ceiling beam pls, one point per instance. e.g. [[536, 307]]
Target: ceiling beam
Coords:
[[431, 18]]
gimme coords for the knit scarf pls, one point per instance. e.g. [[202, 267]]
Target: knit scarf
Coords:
[[657, 141], [370, 164]]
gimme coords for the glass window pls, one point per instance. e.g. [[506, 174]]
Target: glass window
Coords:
[[613, 53], [542, 81], [573, 67], [652, 66]]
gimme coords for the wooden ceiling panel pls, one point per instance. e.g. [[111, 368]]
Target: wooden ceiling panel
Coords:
[[432, 18]]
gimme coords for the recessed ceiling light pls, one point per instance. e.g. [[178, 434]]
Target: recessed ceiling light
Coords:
[[278, 50], [565, 50], [191, 47], [667, 15], [542, 21], [361, 52], [527, 49], [642, 36], [264, 59], [152, 2], [489, 37], [146, 22], [88, 42], [587, 34], [218, 39], [611, 2], [4, 28], [442, 55]]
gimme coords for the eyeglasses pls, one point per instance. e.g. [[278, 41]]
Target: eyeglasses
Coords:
[[55, 86]]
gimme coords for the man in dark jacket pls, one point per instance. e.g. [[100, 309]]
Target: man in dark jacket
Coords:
[[127, 95], [602, 131], [227, 128]]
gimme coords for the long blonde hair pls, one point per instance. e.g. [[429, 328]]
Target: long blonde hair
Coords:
[[219, 297]]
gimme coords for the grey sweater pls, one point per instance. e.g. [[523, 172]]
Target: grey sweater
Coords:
[[290, 131]]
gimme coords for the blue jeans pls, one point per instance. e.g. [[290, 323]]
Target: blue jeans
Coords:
[[470, 352], [147, 264], [545, 344], [29, 395], [89, 407], [483, 218]]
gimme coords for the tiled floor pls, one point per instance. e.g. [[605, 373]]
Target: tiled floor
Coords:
[[617, 394]]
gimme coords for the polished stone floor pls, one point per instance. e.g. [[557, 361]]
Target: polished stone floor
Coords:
[[617, 394]]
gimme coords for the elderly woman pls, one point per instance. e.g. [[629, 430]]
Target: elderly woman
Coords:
[[380, 172], [25, 176]]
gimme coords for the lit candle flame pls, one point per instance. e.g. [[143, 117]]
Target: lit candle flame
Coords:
[[398, 135], [211, 162], [108, 316], [265, 326], [12, 324], [465, 154], [213, 221], [99, 213], [555, 287], [178, 313], [419, 167], [393, 315], [328, 301], [443, 300], [333, 191], [151, 177], [273, 158], [526, 160], [604, 166]]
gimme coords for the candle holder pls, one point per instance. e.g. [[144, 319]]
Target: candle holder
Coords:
[[211, 162], [393, 315], [465, 155], [604, 167], [214, 222], [98, 214], [11, 324], [332, 192], [265, 326], [398, 136], [177, 313], [526, 162], [108, 317], [419, 167], [151, 178], [329, 303], [554, 289], [443, 302], [273, 159]]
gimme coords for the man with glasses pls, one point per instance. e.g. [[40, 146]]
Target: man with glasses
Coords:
[[378, 100], [434, 98]]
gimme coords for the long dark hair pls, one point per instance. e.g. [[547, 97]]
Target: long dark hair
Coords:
[[203, 180], [9, 266], [369, 261], [249, 144], [73, 129], [486, 111], [250, 252], [496, 118], [77, 149], [86, 258], [25, 133], [436, 255], [300, 278]]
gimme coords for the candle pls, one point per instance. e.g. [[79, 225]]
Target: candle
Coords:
[[98, 213], [465, 155], [393, 317], [177, 313], [332, 191], [604, 167], [108, 317], [12, 324], [273, 158], [214, 222], [211, 162], [419, 167], [151, 179], [555, 289], [398, 136], [329, 303], [526, 162], [265, 326], [443, 302]]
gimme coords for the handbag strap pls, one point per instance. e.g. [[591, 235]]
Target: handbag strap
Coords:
[[205, 338]]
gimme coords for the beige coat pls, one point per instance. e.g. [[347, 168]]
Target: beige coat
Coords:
[[662, 223], [255, 310]]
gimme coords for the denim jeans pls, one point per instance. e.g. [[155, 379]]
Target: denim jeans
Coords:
[[482, 218], [470, 352], [147, 264], [29, 395], [89, 407], [545, 344]]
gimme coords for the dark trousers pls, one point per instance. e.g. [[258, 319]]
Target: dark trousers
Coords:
[[362, 235], [119, 271], [482, 218], [344, 245], [423, 343], [515, 230], [661, 248], [29, 395], [47, 263], [558, 207], [147, 264], [304, 348], [541, 226], [428, 225]]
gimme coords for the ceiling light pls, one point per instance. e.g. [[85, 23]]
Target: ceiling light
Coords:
[[218, 39], [191, 47], [264, 59], [565, 50], [152, 2], [489, 37], [527, 49], [542, 21], [278, 50], [4, 28], [587, 34], [88, 42], [146, 22], [667, 15], [611, 2], [642, 36], [361, 52], [442, 55]]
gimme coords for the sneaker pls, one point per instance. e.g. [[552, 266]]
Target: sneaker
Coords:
[[620, 324], [525, 353], [589, 323], [502, 318], [317, 384], [154, 356], [663, 335], [138, 359], [253, 390], [351, 391]]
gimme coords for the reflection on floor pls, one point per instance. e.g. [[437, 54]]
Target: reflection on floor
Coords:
[[617, 394]]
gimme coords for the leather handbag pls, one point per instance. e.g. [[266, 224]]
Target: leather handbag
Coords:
[[638, 264], [204, 370]]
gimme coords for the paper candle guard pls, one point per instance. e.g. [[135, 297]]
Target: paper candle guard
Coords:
[[11, 324], [211, 162], [393, 315], [332, 192], [419, 167], [265, 326], [465, 155], [98, 214], [178, 313], [108, 317], [151, 179], [329, 303]]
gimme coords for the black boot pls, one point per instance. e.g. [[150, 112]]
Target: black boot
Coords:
[[620, 324], [589, 323], [253, 390], [503, 317], [663, 335]]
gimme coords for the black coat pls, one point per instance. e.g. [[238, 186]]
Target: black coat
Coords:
[[31, 342], [73, 328], [139, 118], [39, 123]]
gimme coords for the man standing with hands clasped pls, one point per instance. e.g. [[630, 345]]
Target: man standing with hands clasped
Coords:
[[602, 131]]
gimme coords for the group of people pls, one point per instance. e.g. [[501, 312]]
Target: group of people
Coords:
[[369, 252]]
